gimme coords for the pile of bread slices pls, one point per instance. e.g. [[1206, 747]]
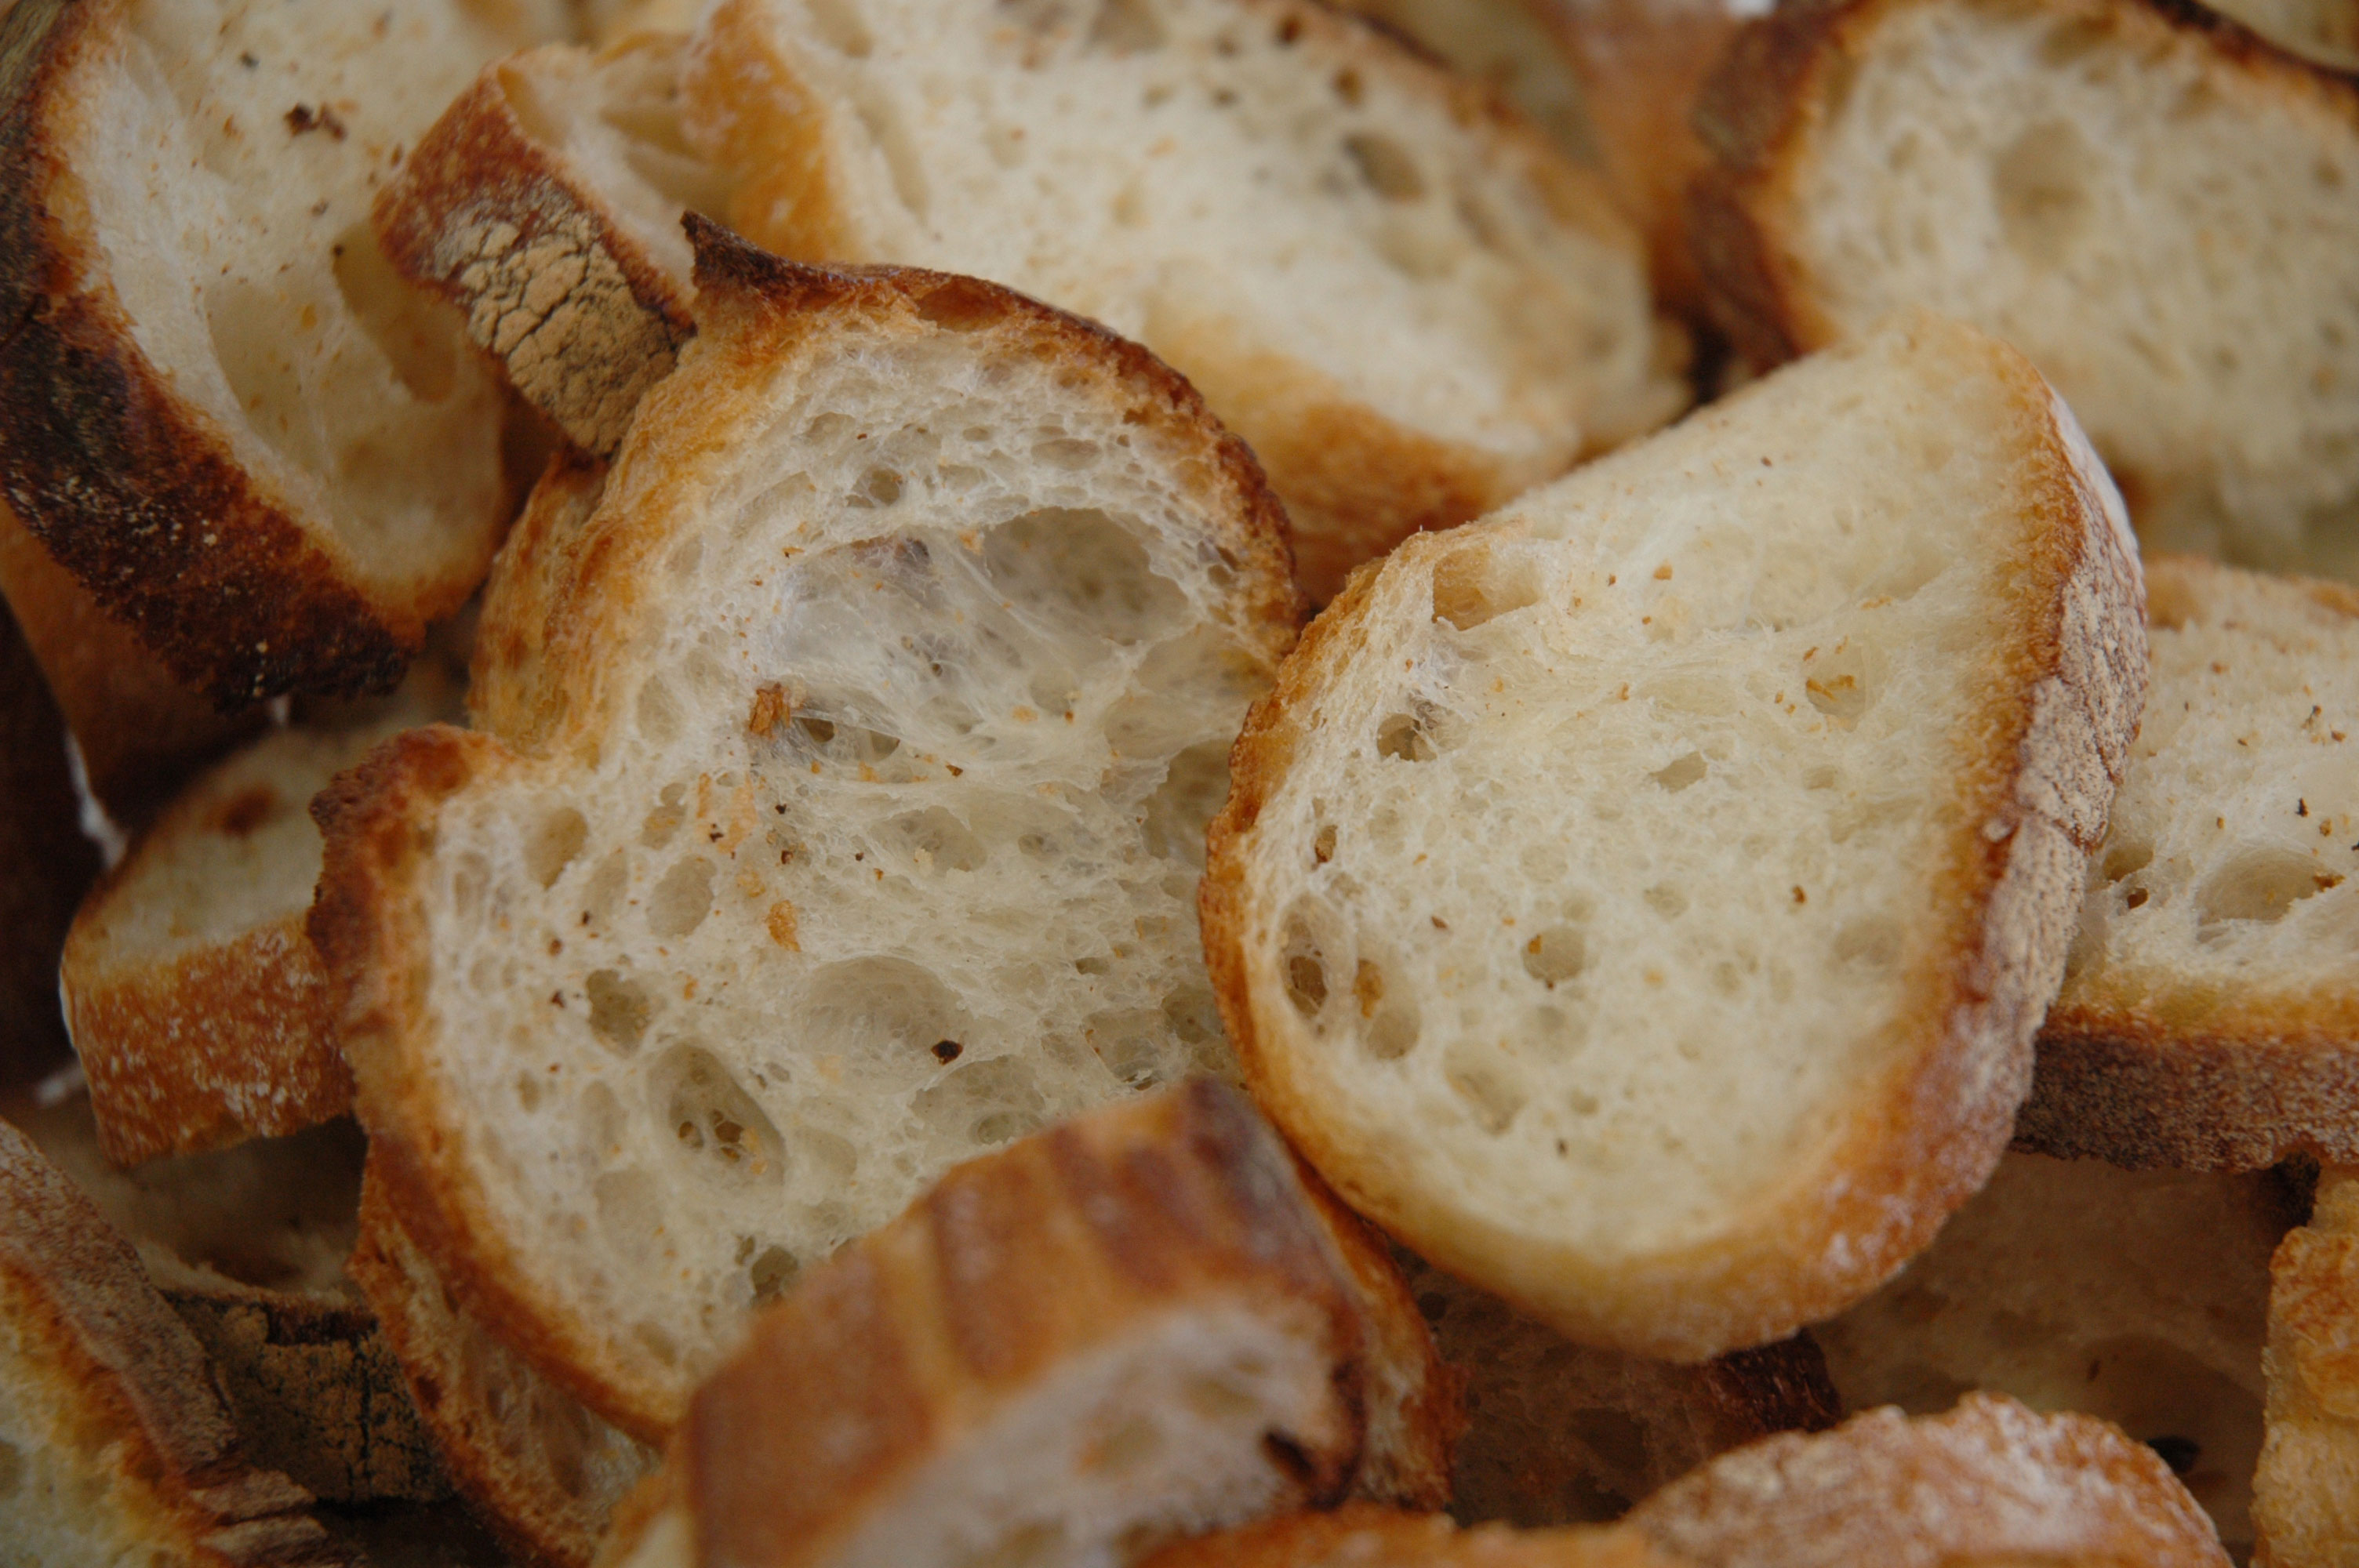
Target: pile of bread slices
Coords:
[[662, 750]]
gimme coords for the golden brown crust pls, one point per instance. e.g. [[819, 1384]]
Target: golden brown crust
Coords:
[[1907, 1150], [1988, 1482], [491, 219], [1360, 1536], [1761, 107], [134, 489], [541, 1471], [2306, 1492], [139, 1398], [912, 1337], [44, 864]]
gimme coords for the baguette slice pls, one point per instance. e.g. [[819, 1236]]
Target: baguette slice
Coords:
[[1989, 1484], [198, 1006], [542, 1472], [886, 688], [1363, 1536], [1558, 1433], [1127, 1328], [2138, 1297], [1996, 162], [1410, 303], [2306, 1494], [220, 408], [1640, 902], [2210, 1015], [45, 862], [119, 1448]]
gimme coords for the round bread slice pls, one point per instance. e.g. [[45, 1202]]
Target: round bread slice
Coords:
[[841, 817], [1641, 902]]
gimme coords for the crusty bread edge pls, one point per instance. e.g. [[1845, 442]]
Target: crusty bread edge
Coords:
[[1914, 1144]]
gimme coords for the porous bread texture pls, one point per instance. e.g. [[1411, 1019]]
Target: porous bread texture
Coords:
[[546, 204], [1360, 1536], [1127, 1328], [2210, 1014], [1991, 1481], [115, 1445], [222, 411], [879, 704], [2306, 1495], [1410, 303], [2324, 30], [1640, 902], [2137, 1297], [197, 1007], [1559, 1433], [2147, 201], [1505, 45], [543, 1473]]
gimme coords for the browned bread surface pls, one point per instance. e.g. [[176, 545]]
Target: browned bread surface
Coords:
[[123, 1444], [1988, 1483], [1359, 1536], [2306, 1495]]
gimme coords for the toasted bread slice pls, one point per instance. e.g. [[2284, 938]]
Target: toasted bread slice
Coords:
[[542, 1472], [915, 748], [546, 204], [1559, 1433], [1990, 1482], [2324, 30], [1411, 307], [2210, 1015], [2149, 144], [1127, 1328], [220, 408], [197, 1004], [1359, 1534], [119, 1447], [45, 862], [1640, 902], [2137, 1296], [248, 1247], [2306, 1495]]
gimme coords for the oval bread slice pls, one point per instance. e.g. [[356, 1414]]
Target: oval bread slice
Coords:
[[1640, 902], [840, 817]]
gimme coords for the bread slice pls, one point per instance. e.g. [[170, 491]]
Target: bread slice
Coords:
[[2324, 30], [1411, 307], [1361, 1533], [1558, 1433], [1505, 44], [1127, 1328], [2306, 1495], [2140, 1297], [2210, 1015], [1640, 902], [2152, 145], [45, 862], [220, 408], [1990, 1482], [543, 1473], [247, 1246], [117, 1446], [198, 1006], [887, 688]]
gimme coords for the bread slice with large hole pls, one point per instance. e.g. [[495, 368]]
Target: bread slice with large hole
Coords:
[[838, 814], [2137, 1296], [115, 1442], [1990, 1483], [2306, 1493], [220, 408], [1127, 1328], [1641, 902], [2143, 198], [2210, 1014]]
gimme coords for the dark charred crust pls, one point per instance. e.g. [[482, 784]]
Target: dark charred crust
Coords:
[[1783, 1387]]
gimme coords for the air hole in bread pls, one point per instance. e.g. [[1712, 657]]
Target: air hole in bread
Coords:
[[553, 843], [2127, 858], [2041, 186], [904, 164], [877, 487], [1193, 789], [888, 1013], [657, 712], [1666, 900], [939, 840], [1681, 771], [257, 360], [1556, 955], [1085, 570], [1835, 679], [1322, 844], [1393, 1032], [671, 810], [419, 333], [1473, 585], [682, 899], [1127, 27], [985, 1103], [605, 890], [1384, 165], [1482, 1078], [2259, 885], [1303, 967], [1131, 1045], [1400, 735], [620, 1010], [708, 1113]]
